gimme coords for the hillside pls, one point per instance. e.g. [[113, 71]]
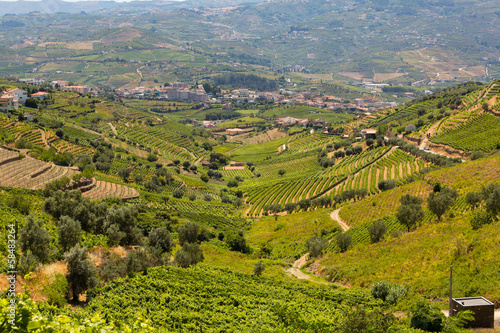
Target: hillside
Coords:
[[181, 227]]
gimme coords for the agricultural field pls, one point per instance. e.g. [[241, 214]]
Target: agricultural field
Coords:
[[478, 133]]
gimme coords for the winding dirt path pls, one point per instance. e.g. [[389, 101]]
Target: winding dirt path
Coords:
[[430, 132], [113, 128], [295, 270], [336, 217]]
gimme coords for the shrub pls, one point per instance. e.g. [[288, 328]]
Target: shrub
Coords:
[[377, 230], [192, 197], [178, 193], [344, 241], [315, 246], [57, 290], [258, 268], [152, 157], [188, 255], [426, 318], [476, 155], [232, 183], [188, 232], [385, 185]]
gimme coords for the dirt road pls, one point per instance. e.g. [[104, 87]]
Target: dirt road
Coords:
[[336, 216]]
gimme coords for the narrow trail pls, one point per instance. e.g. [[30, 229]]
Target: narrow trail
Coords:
[[336, 217], [44, 139], [295, 270], [113, 128], [429, 132]]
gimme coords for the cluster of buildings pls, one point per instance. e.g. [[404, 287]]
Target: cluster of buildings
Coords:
[[178, 91], [11, 99]]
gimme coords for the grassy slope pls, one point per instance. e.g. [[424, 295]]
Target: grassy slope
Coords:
[[422, 258]]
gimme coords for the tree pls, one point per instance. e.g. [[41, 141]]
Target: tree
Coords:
[[426, 318], [281, 172], [160, 240], [70, 232], [204, 178], [440, 202], [491, 195], [369, 142], [31, 103], [120, 225], [188, 232], [385, 185], [138, 178], [124, 173], [186, 164], [473, 199], [344, 241], [178, 193], [60, 132], [137, 261], [410, 212], [81, 272], [315, 246], [232, 183], [258, 268], [377, 230], [237, 242], [193, 168], [35, 238], [290, 207], [152, 157], [190, 254]]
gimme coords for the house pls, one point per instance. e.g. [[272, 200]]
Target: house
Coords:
[[410, 128], [483, 311], [208, 124], [19, 94], [7, 102], [369, 133], [41, 95], [79, 89]]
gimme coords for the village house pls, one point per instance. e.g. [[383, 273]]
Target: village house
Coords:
[[208, 124], [7, 102], [19, 94], [41, 95], [369, 133], [79, 89]]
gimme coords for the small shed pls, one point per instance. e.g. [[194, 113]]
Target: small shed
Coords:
[[484, 311]]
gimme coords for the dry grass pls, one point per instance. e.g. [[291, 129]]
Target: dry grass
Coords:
[[122, 36], [352, 75]]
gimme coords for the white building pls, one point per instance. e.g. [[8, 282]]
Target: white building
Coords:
[[19, 94]]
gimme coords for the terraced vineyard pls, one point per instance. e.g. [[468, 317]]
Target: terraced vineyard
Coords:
[[28, 172], [103, 190], [309, 186], [479, 133], [396, 165]]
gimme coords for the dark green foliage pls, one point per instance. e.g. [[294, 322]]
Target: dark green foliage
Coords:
[[160, 240], [81, 272], [491, 196], [281, 172], [60, 132], [440, 202], [480, 219], [426, 318], [70, 232], [31, 103], [473, 199], [137, 261], [344, 241], [178, 193], [237, 242], [120, 225], [315, 246], [359, 320], [290, 207], [124, 173], [138, 178], [385, 185], [476, 155], [102, 158], [28, 263], [82, 161], [19, 202], [232, 183], [35, 238], [249, 81], [258, 268], [112, 268], [410, 212], [377, 231], [190, 254], [188, 232], [152, 157]]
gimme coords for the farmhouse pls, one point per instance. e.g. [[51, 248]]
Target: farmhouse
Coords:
[[19, 94], [41, 95], [236, 163], [79, 89], [369, 133], [7, 102], [208, 124], [410, 128]]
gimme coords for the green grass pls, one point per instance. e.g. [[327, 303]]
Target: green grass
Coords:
[[258, 152]]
